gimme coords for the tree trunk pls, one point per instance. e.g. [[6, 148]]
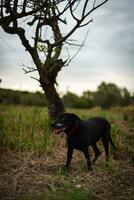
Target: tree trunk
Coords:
[[48, 76], [55, 103]]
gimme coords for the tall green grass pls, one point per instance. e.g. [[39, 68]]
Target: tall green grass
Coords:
[[27, 128], [24, 128]]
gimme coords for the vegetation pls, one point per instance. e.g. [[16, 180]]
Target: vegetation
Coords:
[[8, 96], [73, 194], [32, 158], [107, 95], [43, 36]]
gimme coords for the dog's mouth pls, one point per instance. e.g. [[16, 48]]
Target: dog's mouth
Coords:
[[58, 128]]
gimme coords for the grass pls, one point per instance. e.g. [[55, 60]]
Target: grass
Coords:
[[24, 128], [31, 157], [27, 128], [66, 193]]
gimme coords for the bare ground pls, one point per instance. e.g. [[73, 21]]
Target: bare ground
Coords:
[[28, 173]]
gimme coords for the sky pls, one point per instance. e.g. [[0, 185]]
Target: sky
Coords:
[[107, 54]]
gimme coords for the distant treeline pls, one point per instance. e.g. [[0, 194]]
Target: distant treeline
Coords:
[[107, 95], [8, 96]]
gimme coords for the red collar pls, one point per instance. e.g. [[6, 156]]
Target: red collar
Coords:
[[75, 128]]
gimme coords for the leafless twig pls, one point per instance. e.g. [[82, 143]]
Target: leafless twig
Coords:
[[28, 69], [78, 49]]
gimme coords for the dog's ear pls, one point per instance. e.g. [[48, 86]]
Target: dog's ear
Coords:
[[74, 116]]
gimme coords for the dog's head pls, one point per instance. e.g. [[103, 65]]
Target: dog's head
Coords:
[[65, 122]]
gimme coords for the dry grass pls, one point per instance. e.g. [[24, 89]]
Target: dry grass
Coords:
[[26, 173], [29, 172]]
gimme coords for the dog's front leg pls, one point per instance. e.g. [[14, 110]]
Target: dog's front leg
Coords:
[[69, 157], [87, 156]]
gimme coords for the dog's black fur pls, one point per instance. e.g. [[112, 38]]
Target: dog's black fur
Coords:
[[81, 134]]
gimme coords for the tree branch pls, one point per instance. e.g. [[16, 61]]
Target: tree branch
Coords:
[[29, 69], [91, 20], [78, 21], [94, 3], [2, 6], [24, 6], [21, 33], [8, 19], [35, 78], [78, 49], [95, 7], [36, 35]]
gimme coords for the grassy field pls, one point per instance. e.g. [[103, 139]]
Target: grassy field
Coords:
[[32, 157]]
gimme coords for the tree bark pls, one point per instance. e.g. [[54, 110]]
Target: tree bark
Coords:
[[55, 103], [48, 76]]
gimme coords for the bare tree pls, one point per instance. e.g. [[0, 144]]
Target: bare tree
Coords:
[[47, 18]]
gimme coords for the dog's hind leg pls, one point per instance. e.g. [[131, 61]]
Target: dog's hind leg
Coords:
[[96, 151]]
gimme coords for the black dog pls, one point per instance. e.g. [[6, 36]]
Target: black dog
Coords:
[[81, 134]]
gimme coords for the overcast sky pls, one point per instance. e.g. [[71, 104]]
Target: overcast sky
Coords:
[[108, 54]]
